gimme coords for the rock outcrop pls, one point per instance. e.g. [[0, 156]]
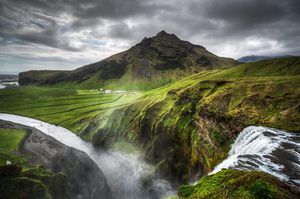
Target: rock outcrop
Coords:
[[84, 178]]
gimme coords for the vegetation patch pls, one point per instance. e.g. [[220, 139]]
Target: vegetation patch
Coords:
[[19, 178], [238, 184], [189, 123]]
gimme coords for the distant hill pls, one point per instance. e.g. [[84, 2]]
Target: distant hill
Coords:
[[287, 66], [151, 63], [254, 58]]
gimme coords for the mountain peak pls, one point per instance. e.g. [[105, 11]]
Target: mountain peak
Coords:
[[164, 34], [161, 38]]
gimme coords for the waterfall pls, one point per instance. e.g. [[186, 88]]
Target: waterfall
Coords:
[[260, 148], [127, 175], [266, 149]]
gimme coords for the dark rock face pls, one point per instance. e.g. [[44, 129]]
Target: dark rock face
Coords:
[[86, 180], [40, 77], [10, 170]]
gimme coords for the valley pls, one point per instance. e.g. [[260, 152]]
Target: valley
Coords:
[[184, 129], [172, 135]]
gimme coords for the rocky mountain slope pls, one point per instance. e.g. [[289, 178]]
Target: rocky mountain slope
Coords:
[[151, 63]]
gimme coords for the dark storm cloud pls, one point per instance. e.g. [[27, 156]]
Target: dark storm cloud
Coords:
[[231, 27], [236, 16], [31, 26], [115, 9], [244, 13], [88, 13]]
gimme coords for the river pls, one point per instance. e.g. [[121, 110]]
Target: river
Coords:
[[127, 175], [260, 148]]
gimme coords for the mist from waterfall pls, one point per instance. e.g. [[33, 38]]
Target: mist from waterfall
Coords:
[[127, 175]]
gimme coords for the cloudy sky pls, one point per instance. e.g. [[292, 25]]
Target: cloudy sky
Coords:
[[66, 34]]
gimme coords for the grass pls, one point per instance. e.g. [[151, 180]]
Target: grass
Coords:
[[70, 108], [10, 139]]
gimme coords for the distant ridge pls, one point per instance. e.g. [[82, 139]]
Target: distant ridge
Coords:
[[254, 58]]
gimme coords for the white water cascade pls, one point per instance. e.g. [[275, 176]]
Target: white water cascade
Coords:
[[266, 149], [127, 176]]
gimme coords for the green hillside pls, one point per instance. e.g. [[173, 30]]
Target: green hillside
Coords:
[[183, 127]]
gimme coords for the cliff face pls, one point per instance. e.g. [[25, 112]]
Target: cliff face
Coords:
[[187, 128], [86, 180], [151, 63], [72, 174], [40, 77]]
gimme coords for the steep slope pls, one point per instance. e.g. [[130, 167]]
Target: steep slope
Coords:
[[65, 172], [20, 179], [151, 63], [186, 128]]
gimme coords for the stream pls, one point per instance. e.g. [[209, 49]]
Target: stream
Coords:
[[260, 148]]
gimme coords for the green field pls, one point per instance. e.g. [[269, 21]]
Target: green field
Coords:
[[72, 109]]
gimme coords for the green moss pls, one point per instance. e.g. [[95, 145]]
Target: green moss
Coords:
[[34, 182], [125, 147], [238, 184], [186, 190], [261, 189], [10, 139]]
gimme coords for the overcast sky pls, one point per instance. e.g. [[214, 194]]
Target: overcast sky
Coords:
[[66, 34]]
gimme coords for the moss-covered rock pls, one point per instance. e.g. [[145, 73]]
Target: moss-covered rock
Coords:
[[228, 184], [19, 178], [35, 182]]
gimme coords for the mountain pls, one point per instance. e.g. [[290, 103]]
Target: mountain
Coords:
[[254, 58], [151, 63]]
